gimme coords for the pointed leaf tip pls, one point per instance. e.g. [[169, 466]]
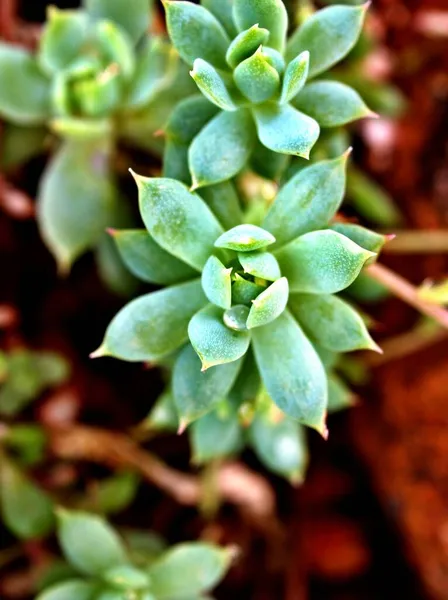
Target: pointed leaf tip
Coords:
[[183, 424], [111, 231], [99, 352]]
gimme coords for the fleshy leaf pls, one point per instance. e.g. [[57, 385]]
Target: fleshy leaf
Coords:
[[111, 269], [126, 577], [201, 565], [133, 15], [245, 44], [321, 262], [286, 130], [24, 90], [62, 39], [329, 35], [153, 325], [360, 235], [331, 103], [243, 292], [116, 47], [89, 543], [236, 317], [177, 219], [223, 11], [256, 79], [214, 342], [269, 304], [163, 415], [196, 33], [295, 77], [197, 392], [245, 238], [147, 260], [223, 201], [73, 589], [260, 264], [267, 163], [281, 446], [216, 435], [308, 200], [333, 323], [216, 282], [340, 396], [211, 162], [270, 14], [189, 117], [212, 85], [292, 371]]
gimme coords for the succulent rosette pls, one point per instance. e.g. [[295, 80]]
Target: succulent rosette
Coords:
[[238, 292], [262, 92]]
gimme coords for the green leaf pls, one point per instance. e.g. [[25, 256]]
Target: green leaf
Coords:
[[330, 321], [116, 47], [269, 304], [223, 201], [331, 103], [26, 510], [211, 162], [133, 15], [243, 292], [98, 97], [295, 77], [245, 238], [308, 200], [74, 589], [340, 396], [247, 384], [82, 129], [216, 435], [178, 220], [89, 543], [292, 371], [111, 269], [126, 577], [64, 35], [189, 117], [214, 342], [321, 262], [188, 569], [286, 130], [236, 317], [212, 85], [281, 446], [76, 200], [328, 35], [197, 392], [20, 144], [223, 11], [147, 260], [369, 240], [154, 325], [245, 44], [163, 415], [260, 264], [113, 494], [24, 90], [196, 33], [216, 282], [256, 79], [366, 289], [270, 14]]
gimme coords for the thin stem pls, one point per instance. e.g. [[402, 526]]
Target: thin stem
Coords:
[[418, 242], [401, 288]]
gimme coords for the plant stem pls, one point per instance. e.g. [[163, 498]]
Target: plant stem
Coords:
[[419, 242], [401, 288]]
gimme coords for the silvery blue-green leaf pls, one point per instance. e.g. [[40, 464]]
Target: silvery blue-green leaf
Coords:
[[133, 15], [73, 589], [216, 282], [292, 371], [340, 396], [268, 164], [281, 446], [189, 117], [196, 33], [331, 103], [286, 130], [24, 90], [126, 577], [321, 262], [243, 292], [111, 594], [216, 435], [295, 77], [147, 260], [175, 161], [327, 358], [154, 325], [89, 543], [214, 342], [25, 509], [269, 304], [188, 569], [332, 322], [82, 129], [177, 219], [76, 200], [245, 44], [236, 317], [211, 162], [308, 200], [275, 58], [366, 289], [212, 85], [98, 97], [360, 235], [63, 36], [270, 14], [163, 415], [260, 264], [223, 200], [247, 384], [116, 47], [197, 392], [223, 11], [245, 238], [112, 270], [256, 79], [329, 35]]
